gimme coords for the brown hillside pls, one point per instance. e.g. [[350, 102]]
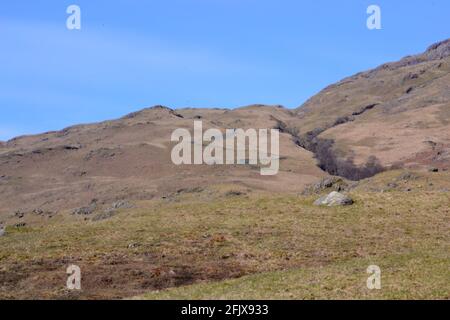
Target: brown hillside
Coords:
[[129, 159], [399, 112]]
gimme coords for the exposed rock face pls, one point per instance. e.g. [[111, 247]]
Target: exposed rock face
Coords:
[[337, 183], [122, 204], [437, 51], [85, 211], [334, 199]]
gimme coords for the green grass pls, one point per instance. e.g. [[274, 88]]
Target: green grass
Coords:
[[411, 276], [275, 246]]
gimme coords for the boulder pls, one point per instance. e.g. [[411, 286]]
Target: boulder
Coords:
[[334, 199], [122, 204], [85, 211], [2, 231]]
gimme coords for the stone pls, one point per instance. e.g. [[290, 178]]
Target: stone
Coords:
[[122, 204], [407, 176], [134, 245], [334, 199], [337, 183], [392, 185], [85, 211]]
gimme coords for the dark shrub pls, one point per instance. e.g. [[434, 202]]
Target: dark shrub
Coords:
[[327, 158], [342, 120], [334, 165]]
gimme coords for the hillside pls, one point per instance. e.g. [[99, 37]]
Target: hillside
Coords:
[[129, 159], [273, 245], [398, 112], [107, 197]]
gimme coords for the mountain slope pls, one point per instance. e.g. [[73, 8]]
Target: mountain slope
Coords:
[[398, 112], [130, 159], [107, 198]]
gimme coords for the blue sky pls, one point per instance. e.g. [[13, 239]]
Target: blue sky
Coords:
[[132, 54]]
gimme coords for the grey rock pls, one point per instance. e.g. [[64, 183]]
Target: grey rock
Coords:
[[112, 211], [122, 204], [407, 176], [392, 185], [38, 212], [2, 231], [336, 183], [334, 199], [85, 211], [134, 245]]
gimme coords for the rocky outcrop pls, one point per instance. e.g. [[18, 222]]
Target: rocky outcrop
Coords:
[[113, 210], [88, 210], [335, 183]]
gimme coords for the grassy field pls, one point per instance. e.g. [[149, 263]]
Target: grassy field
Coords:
[[217, 244], [417, 275]]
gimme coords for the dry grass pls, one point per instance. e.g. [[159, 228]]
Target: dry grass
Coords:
[[408, 276], [279, 246]]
